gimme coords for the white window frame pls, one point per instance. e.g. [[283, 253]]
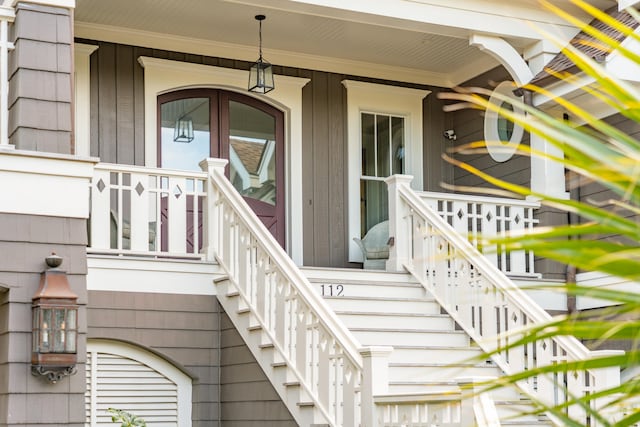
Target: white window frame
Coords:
[[82, 87], [163, 75], [155, 362], [500, 150], [387, 100]]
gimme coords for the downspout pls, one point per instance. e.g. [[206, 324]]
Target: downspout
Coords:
[[571, 271]]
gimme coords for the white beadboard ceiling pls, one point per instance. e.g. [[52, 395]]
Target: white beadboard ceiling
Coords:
[[311, 31]]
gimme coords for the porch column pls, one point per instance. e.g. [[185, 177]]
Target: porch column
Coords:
[[375, 380], [547, 175], [399, 244], [40, 77]]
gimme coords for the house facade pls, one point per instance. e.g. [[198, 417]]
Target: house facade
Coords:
[[211, 233]]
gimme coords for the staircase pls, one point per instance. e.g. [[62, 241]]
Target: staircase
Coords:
[[430, 354], [326, 344]]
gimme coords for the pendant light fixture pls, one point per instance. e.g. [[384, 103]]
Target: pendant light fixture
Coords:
[[261, 72]]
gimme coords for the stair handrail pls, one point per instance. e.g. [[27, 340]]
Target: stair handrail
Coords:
[[221, 193], [519, 310]]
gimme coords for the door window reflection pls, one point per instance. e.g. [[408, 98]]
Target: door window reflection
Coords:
[[185, 129], [252, 152]]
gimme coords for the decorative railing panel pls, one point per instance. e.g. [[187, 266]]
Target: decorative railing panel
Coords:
[[479, 218], [483, 301], [420, 410], [144, 211], [304, 331]]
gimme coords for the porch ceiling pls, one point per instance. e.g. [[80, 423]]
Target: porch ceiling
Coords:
[[432, 48]]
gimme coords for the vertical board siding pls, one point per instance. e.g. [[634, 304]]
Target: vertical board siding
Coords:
[[247, 397], [469, 127], [125, 116], [182, 328], [117, 136]]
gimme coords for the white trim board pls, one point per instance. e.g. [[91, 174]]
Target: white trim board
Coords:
[[82, 85], [121, 274], [161, 76], [35, 183], [383, 99]]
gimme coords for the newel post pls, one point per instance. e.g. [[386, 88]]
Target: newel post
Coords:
[[375, 380], [211, 220], [399, 235]]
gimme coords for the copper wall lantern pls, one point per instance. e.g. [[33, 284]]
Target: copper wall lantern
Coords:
[[55, 324]]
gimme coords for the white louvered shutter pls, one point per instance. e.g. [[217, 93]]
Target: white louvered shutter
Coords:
[[117, 381]]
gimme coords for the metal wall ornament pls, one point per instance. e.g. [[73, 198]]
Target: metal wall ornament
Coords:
[[55, 324], [261, 72]]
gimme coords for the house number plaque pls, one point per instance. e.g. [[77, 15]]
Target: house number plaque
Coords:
[[331, 290]]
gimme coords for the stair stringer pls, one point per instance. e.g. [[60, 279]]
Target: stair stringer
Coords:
[[284, 378], [312, 360]]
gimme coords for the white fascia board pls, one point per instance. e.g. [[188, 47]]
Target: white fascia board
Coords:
[[248, 53], [121, 274], [36, 183], [502, 19], [623, 4], [595, 279], [621, 66], [68, 4]]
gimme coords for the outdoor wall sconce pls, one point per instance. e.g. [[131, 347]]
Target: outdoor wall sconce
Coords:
[[55, 324], [261, 72]]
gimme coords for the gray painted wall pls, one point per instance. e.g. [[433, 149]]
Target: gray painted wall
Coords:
[[40, 70], [25, 241], [182, 328], [117, 136], [192, 331], [247, 398]]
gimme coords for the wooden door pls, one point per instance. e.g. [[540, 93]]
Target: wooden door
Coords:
[[244, 130]]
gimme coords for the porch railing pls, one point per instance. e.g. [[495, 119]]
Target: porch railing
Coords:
[[478, 217], [295, 321], [146, 211], [484, 302]]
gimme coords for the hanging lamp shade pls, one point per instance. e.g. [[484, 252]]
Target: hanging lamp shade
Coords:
[[261, 72], [183, 130]]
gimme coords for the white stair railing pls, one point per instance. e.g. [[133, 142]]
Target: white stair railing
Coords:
[[304, 331], [479, 217], [484, 302]]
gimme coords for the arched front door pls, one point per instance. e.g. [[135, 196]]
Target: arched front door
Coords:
[[199, 123]]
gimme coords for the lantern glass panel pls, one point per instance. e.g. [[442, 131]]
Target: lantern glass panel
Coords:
[[59, 328], [45, 331], [71, 330]]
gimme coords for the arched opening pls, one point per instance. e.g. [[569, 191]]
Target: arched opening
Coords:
[[197, 123]]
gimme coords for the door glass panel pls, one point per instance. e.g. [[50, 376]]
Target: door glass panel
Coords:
[[252, 152], [185, 133], [397, 141], [382, 139]]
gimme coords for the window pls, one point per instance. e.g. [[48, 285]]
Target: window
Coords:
[[384, 138], [382, 143], [501, 134]]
